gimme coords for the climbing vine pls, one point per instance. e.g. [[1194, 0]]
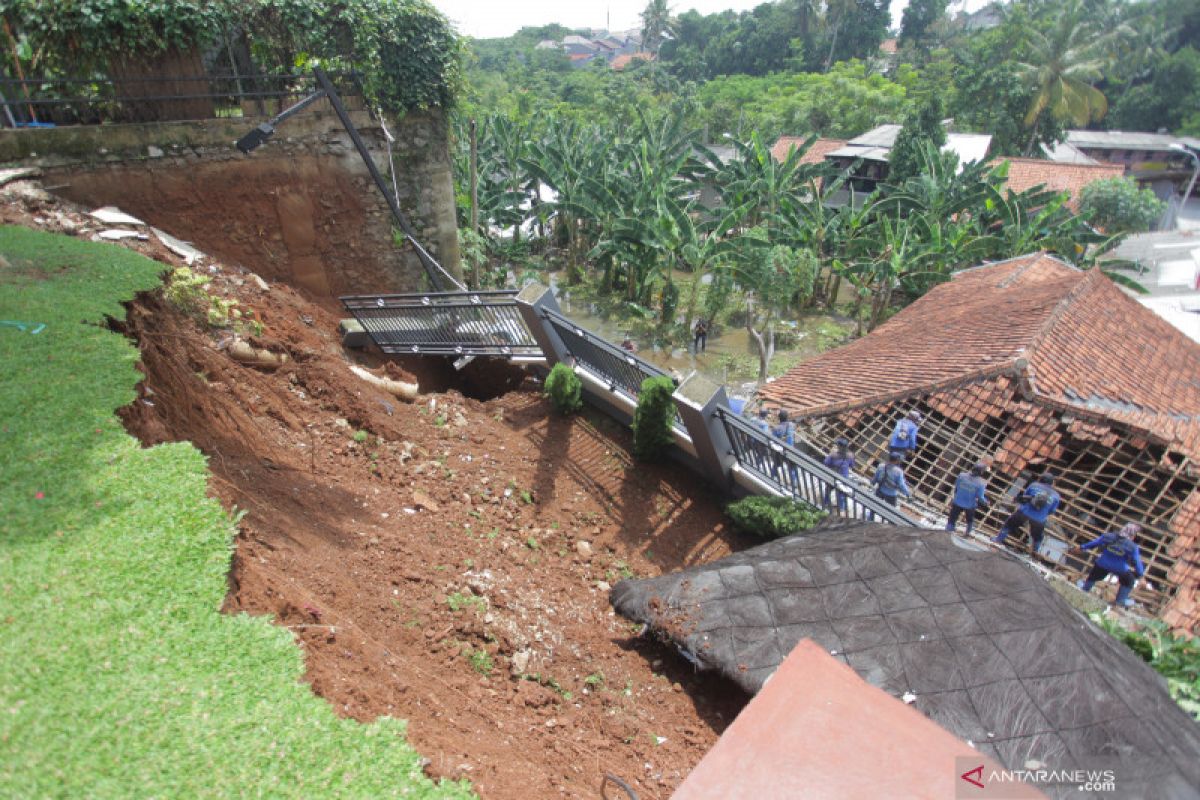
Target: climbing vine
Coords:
[[83, 34], [406, 52]]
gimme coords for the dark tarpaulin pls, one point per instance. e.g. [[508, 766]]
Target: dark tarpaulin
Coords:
[[991, 652]]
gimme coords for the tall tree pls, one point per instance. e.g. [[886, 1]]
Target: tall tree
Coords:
[[917, 19], [656, 22], [1063, 62], [922, 128]]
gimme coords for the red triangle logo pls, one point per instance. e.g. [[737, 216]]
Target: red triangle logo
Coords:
[[974, 776]]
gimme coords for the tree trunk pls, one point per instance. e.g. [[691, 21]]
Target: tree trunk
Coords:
[[474, 179], [693, 297]]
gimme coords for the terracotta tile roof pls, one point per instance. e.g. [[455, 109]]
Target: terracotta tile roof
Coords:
[[815, 154], [625, 59], [889, 46], [1025, 173], [1072, 337]]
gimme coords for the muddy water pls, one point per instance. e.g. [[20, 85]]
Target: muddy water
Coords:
[[729, 358]]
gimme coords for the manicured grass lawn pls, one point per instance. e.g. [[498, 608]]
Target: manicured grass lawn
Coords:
[[118, 675]]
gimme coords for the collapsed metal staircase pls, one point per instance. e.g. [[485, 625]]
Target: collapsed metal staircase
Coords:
[[529, 325]]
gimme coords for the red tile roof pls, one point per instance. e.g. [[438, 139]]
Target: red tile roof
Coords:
[[1025, 173], [815, 154], [625, 59], [1072, 337], [889, 46]]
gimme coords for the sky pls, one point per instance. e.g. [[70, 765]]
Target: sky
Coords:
[[485, 19]]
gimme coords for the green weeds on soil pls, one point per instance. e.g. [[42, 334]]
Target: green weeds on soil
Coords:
[[121, 676]]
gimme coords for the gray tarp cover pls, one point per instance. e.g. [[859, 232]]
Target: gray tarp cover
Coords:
[[991, 652]]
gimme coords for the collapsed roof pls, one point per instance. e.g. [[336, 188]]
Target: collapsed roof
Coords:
[[1072, 335], [991, 652]]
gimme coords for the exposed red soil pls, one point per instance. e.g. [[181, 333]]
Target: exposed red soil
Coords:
[[458, 533]]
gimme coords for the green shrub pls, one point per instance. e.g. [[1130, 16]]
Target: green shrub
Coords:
[[564, 389], [1118, 206], [772, 517], [653, 417], [1177, 658]]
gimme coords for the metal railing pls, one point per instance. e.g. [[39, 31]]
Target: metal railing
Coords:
[[444, 323], [620, 369], [48, 102], [802, 477]]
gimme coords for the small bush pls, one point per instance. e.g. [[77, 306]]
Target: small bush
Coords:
[[652, 419], [1119, 206], [772, 517], [564, 389]]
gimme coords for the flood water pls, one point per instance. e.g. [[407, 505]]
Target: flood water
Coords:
[[728, 358]]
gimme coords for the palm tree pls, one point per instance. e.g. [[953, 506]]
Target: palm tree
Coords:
[[1063, 62], [656, 21]]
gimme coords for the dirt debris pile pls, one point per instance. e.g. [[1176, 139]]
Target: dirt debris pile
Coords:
[[445, 561]]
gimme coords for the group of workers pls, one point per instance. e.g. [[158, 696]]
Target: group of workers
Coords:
[[1119, 555]]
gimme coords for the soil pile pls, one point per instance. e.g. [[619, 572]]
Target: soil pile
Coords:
[[447, 561]]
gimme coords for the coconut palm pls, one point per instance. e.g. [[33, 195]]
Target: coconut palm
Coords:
[[1064, 62], [656, 22]]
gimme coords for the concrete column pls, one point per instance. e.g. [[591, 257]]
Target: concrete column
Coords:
[[697, 399], [531, 300]]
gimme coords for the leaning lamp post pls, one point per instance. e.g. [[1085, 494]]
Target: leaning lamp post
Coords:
[[264, 131]]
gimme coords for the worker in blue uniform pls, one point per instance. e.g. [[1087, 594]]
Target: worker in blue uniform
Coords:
[[1119, 555]]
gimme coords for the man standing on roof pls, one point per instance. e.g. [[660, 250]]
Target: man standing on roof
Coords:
[[1038, 502], [968, 496], [889, 480], [904, 437], [1118, 556]]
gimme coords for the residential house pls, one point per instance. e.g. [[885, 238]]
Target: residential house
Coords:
[[1149, 158], [1030, 364]]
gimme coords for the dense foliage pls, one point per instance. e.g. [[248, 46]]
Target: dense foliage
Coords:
[[772, 517], [1118, 205], [405, 50], [564, 389], [653, 418]]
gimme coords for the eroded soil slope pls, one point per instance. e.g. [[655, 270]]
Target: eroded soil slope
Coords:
[[446, 561]]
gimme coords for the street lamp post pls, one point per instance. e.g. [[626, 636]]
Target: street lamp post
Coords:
[[1183, 148]]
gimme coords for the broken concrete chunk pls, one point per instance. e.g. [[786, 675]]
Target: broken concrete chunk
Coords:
[[180, 248], [115, 216]]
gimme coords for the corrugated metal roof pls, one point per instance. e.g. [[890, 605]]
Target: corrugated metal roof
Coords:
[[883, 136], [1065, 153], [1127, 140]]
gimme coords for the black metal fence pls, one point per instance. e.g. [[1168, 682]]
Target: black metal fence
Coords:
[[48, 102], [620, 369], [444, 323], [801, 476]]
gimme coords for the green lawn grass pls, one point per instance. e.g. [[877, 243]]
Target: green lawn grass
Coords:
[[118, 675]]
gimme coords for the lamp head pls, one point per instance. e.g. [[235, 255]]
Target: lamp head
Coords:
[[256, 137]]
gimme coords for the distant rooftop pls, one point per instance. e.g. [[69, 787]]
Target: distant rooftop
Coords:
[[1127, 140], [815, 155], [1026, 173], [875, 144]]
